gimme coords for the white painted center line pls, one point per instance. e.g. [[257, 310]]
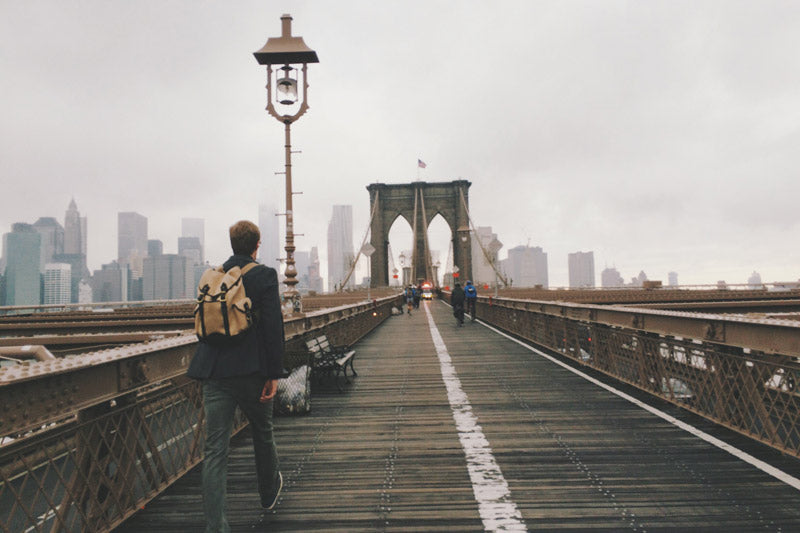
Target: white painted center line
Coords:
[[498, 512]]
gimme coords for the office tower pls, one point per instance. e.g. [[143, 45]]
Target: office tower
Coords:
[[110, 283], [581, 270], [340, 246], [52, 238], [23, 273], [164, 277], [526, 266], [754, 281], [270, 250], [75, 238], [482, 271], [77, 263], [131, 241], [154, 247], [672, 279], [610, 277], [57, 283], [301, 263], [195, 227], [192, 249], [314, 278], [639, 280]]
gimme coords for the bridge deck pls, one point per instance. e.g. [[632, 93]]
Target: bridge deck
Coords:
[[386, 454]]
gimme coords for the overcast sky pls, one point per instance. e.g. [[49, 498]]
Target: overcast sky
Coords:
[[661, 135]]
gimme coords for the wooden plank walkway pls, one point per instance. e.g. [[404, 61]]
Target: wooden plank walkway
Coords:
[[385, 455]]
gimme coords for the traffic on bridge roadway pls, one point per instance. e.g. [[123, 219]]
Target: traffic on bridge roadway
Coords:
[[465, 429]]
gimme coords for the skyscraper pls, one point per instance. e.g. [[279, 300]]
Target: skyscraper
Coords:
[[23, 274], [340, 246], [195, 227], [672, 278], [52, 238], [314, 279], [484, 239], [110, 284], [155, 247], [131, 241], [302, 260], [164, 277], [610, 277], [75, 238], [526, 266], [581, 269], [270, 250], [192, 249], [754, 281], [57, 283]]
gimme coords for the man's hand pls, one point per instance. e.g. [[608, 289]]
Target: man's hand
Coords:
[[269, 390]]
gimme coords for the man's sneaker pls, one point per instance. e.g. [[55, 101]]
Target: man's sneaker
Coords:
[[270, 504]]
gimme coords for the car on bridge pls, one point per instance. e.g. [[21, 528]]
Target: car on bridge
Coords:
[[427, 290]]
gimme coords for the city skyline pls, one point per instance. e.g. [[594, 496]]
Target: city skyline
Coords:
[[656, 134], [44, 227]]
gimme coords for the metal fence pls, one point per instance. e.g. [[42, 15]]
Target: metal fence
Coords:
[[740, 373], [85, 441]]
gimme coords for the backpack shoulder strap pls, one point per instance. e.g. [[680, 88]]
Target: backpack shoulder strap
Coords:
[[248, 267]]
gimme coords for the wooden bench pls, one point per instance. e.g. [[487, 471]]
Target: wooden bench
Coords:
[[329, 360]]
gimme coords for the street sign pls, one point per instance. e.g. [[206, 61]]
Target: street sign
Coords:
[[367, 249]]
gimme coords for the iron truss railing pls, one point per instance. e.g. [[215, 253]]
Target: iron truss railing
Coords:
[[741, 373], [87, 440]]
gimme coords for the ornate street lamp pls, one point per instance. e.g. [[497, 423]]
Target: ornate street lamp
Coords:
[[279, 55]]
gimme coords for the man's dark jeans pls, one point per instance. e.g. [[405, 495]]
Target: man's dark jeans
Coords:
[[471, 307], [220, 398]]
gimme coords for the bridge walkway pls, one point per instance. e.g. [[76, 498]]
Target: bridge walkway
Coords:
[[509, 439]]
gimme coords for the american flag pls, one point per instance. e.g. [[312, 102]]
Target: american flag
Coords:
[[421, 163]]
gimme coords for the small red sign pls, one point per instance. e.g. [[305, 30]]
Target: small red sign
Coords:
[[455, 274]]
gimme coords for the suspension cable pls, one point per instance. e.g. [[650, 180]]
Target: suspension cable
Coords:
[[480, 244], [363, 241], [414, 240], [428, 265]]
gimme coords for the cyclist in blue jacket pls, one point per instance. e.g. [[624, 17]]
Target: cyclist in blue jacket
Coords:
[[471, 295]]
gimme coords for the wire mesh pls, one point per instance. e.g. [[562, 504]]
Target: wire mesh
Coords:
[[752, 392]]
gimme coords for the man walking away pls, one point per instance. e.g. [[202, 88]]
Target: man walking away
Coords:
[[243, 371], [457, 301], [471, 294]]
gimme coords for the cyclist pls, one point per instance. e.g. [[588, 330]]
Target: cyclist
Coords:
[[471, 295]]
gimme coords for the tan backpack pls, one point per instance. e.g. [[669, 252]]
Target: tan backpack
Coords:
[[223, 311]]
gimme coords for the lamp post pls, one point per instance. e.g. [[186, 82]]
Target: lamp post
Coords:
[[282, 82]]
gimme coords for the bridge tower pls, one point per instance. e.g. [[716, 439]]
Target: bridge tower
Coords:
[[419, 203]]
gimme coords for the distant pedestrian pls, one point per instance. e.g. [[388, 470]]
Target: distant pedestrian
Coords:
[[471, 295], [242, 371], [410, 298], [417, 296], [457, 301]]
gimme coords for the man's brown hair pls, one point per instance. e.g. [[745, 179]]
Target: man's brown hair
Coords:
[[244, 237]]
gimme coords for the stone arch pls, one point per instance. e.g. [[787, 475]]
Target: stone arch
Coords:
[[387, 202]]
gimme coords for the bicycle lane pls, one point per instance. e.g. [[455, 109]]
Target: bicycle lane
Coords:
[[497, 510]]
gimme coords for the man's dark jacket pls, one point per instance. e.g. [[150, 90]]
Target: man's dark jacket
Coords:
[[260, 350], [457, 297]]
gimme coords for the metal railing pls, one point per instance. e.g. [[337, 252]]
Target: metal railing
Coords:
[[741, 373], [87, 440]]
